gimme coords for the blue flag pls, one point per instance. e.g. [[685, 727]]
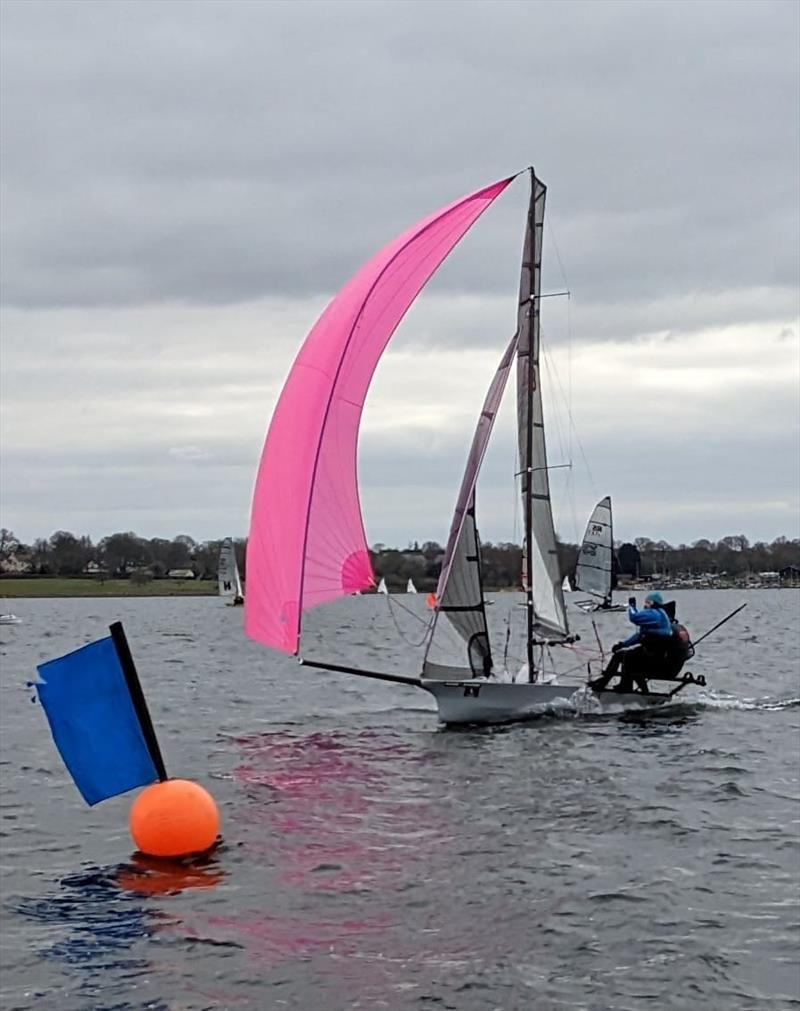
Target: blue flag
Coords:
[[94, 722]]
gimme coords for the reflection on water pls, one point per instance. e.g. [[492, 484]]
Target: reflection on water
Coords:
[[151, 876]]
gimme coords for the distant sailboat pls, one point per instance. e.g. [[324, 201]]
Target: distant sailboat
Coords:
[[307, 546], [565, 586], [382, 587], [595, 560], [410, 588], [10, 619], [230, 585]]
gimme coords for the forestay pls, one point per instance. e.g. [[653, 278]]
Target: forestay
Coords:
[[307, 544], [459, 643], [593, 572], [542, 576]]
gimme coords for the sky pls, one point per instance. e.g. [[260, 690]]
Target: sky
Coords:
[[185, 185]]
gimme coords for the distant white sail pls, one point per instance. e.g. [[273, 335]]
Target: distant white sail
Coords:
[[410, 588], [565, 587], [230, 585], [593, 572], [382, 586]]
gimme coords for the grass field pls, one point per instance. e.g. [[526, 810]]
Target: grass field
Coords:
[[56, 586]]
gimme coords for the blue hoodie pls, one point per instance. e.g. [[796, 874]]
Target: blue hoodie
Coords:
[[651, 621]]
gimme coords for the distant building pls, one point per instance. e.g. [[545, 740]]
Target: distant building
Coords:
[[790, 576], [180, 574], [14, 565], [93, 568]]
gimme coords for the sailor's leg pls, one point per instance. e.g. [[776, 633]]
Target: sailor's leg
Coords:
[[631, 667], [610, 671], [643, 665]]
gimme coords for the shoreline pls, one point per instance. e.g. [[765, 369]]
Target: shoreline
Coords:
[[40, 587], [34, 587]]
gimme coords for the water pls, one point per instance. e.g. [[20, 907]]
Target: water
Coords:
[[374, 860]]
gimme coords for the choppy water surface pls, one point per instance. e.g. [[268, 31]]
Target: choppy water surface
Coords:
[[372, 859]]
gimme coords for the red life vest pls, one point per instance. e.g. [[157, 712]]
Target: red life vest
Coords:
[[682, 641]]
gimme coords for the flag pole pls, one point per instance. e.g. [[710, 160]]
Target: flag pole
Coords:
[[137, 697]]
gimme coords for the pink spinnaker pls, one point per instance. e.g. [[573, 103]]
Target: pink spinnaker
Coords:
[[307, 544]]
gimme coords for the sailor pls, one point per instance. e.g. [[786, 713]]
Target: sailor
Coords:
[[647, 651]]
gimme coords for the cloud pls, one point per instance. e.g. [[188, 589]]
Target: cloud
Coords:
[[268, 149], [186, 185], [160, 435]]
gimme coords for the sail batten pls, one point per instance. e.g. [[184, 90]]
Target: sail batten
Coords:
[[307, 544]]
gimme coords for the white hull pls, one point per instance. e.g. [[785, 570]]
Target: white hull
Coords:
[[478, 701], [10, 619]]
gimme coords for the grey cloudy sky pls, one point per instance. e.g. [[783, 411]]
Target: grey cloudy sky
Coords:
[[184, 186]]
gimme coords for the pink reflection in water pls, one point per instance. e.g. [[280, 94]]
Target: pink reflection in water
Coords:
[[343, 834], [337, 820]]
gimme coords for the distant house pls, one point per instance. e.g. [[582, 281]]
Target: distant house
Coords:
[[180, 574], [790, 576], [14, 565], [93, 568]]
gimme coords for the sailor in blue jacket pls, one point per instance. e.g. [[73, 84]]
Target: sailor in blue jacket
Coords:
[[642, 652]]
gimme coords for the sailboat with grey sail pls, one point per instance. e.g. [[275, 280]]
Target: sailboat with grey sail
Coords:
[[307, 545]]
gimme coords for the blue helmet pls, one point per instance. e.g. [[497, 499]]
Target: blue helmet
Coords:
[[655, 598]]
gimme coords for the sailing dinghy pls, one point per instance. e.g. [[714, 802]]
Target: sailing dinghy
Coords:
[[595, 561], [307, 546], [410, 588], [230, 585]]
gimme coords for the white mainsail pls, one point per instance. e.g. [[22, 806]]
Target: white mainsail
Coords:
[[382, 587], [593, 572], [410, 588], [230, 585], [547, 617]]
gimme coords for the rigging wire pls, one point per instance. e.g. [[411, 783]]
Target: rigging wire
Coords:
[[572, 428], [549, 366], [575, 430], [552, 233], [428, 624]]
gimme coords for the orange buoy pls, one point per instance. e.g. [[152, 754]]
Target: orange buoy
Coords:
[[175, 818]]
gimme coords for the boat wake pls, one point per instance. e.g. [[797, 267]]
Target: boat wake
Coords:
[[710, 699], [585, 703]]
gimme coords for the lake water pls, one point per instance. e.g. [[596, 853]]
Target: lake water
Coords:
[[372, 859]]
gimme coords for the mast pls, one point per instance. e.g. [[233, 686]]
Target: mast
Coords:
[[533, 255]]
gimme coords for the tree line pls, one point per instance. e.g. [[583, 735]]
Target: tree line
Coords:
[[117, 556], [120, 555]]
